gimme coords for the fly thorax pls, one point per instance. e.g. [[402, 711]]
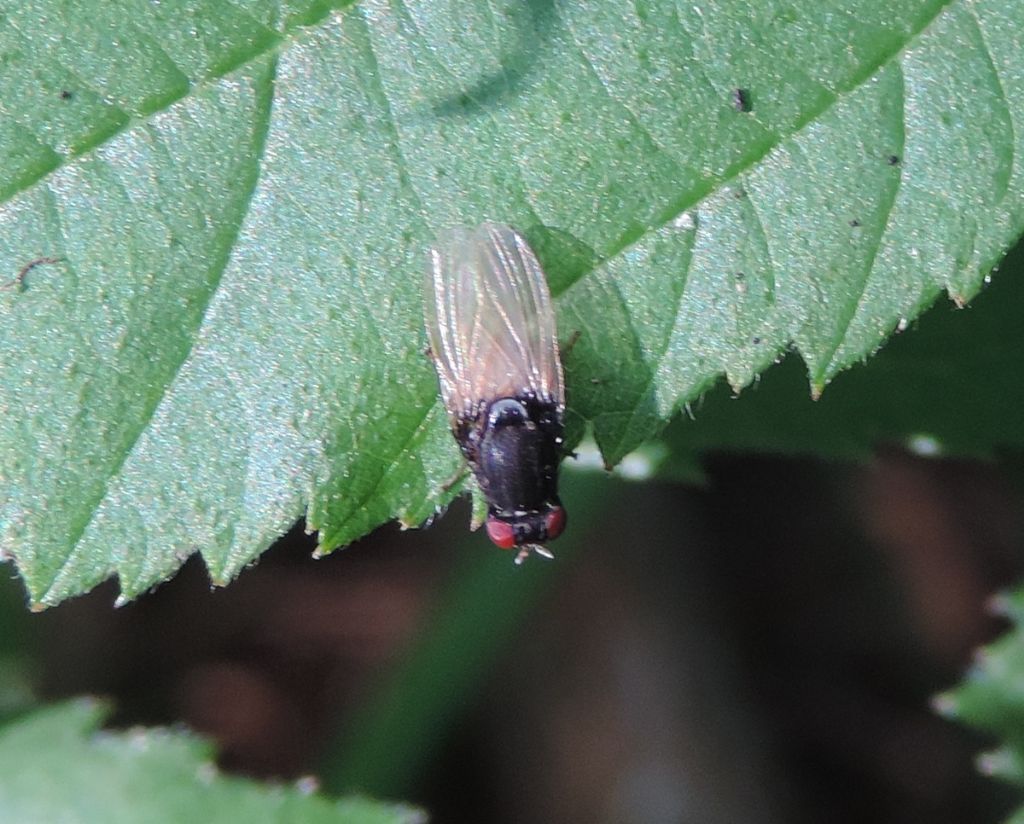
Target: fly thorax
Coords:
[[508, 412]]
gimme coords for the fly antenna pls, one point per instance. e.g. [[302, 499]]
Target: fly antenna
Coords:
[[526, 549]]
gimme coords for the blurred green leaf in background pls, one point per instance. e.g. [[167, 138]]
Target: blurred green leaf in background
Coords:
[[992, 698], [58, 766]]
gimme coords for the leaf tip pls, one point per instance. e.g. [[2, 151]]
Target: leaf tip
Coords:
[[411, 520], [998, 605], [325, 546], [819, 375], [307, 785], [1005, 763], [944, 704]]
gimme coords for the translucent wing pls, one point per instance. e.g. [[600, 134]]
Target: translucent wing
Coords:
[[490, 321]]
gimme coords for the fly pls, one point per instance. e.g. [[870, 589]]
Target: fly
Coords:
[[491, 329]]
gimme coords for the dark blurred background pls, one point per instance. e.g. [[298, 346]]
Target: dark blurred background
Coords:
[[760, 647]]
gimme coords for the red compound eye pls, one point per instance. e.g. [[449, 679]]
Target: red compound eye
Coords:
[[554, 522], [502, 534]]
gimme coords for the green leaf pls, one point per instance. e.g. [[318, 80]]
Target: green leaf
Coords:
[[948, 387], [991, 697], [57, 766], [242, 198]]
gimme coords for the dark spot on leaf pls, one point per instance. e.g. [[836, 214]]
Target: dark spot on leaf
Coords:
[[66, 95], [855, 223], [741, 100], [893, 160]]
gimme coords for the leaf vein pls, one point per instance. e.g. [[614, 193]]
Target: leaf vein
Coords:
[[634, 119], [92, 507], [273, 45], [860, 80], [1004, 180], [869, 269]]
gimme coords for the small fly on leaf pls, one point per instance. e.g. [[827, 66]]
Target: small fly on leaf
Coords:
[[491, 329]]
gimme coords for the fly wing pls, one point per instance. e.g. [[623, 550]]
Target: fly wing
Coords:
[[490, 321]]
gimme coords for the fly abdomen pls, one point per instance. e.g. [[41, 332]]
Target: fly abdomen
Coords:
[[518, 454]]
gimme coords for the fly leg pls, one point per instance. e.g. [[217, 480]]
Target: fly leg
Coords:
[[479, 513], [525, 550], [571, 343], [438, 510]]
